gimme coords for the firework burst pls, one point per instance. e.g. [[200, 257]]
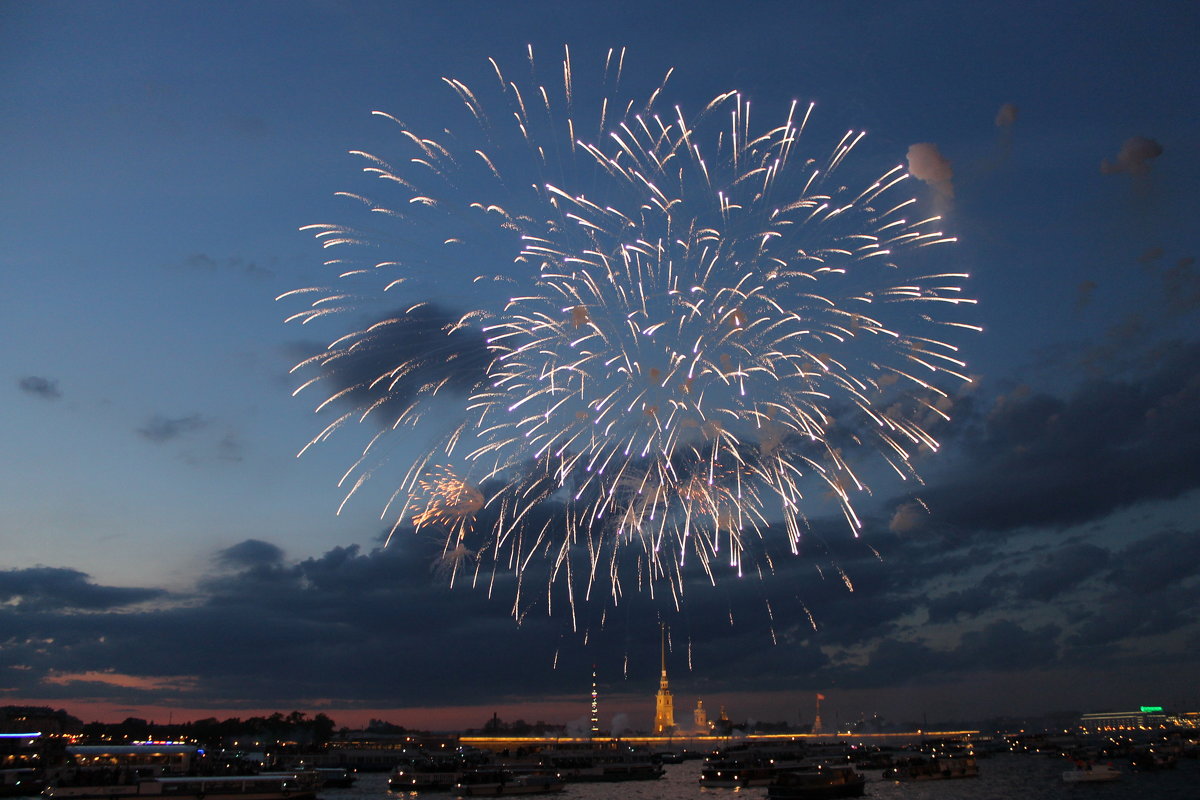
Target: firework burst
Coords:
[[673, 335]]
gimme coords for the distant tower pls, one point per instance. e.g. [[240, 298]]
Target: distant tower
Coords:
[[595, 705], [700, 717], [664, 704], [817, 719]]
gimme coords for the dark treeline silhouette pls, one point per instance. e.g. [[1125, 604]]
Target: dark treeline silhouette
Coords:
[[296, 727]]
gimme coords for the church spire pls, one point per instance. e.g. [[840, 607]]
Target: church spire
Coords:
[[664, 703]]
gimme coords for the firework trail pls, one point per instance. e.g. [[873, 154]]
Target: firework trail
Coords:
[[674, 336]]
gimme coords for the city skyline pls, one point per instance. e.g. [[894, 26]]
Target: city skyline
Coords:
[[165, 552]]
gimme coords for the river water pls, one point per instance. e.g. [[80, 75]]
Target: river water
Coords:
[[1002, 777]]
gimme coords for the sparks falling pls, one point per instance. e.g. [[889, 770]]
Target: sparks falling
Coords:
[[680, 335]]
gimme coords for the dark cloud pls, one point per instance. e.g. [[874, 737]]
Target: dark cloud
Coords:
[[1062, 570], [1181, 287], [965, 603], [395, 634], [251, 553], [1158, 563], [400, 356], [1039, 459], [205, 263], [160, 429], [47, 588], [1134, 158], [40, 387]]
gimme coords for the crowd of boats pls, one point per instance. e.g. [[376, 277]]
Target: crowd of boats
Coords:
[[174, 771], [788, 770]]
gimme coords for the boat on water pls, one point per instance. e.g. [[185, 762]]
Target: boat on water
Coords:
[[741, 767], [494, 783], [818, 783], [335, 777], [933, 769], [602, 765], [166, 769], [1091, 773], [190, 787], [423, 777], [21, 782]]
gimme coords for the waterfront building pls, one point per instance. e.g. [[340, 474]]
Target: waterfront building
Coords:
[[664, 703], [1145, 718]]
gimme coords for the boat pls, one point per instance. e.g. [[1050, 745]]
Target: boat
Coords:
[[1091, 773], [289, 786], [21, 782], [736, 773], [739, 767], [423, 777], [493, 783], [818, 783], [335, 777], [936, 769], [602, 765], [166, 769]]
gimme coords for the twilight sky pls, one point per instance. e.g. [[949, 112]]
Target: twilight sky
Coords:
[[162, 550]]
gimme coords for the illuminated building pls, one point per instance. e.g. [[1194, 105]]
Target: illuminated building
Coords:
[[1145, 718], [700, 718], [595, 706], [664, 704]]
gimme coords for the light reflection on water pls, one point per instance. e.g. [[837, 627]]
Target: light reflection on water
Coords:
[[1004, 777]]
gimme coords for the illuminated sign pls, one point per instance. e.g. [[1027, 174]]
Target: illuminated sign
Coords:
[[1152, 709]]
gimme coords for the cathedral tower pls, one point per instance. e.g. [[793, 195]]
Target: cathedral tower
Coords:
[[664, 704]]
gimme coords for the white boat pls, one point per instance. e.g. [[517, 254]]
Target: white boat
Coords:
[[1091, 773]]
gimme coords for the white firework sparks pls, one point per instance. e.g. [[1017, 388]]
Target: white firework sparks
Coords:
[[701, 329]]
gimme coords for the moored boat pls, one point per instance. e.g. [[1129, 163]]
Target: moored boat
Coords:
[[418, 778], [936, 769], [290, 786], [21, 782], [735, 774], [335, 777], [493, 783], [1091, 773], [602, 765], [818, 783]]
